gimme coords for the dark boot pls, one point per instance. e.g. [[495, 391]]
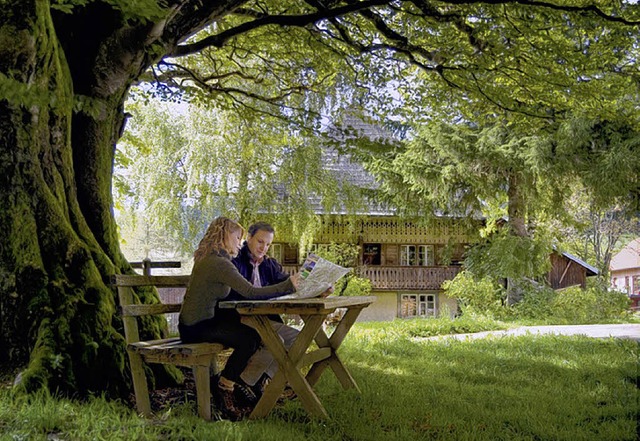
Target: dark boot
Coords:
[[244, 395], [261, 385], [231, 409]]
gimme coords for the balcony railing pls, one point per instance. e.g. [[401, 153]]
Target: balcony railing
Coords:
[[407, 277], [391, 278]]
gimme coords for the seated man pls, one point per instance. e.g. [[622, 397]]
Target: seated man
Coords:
[[261, 270]]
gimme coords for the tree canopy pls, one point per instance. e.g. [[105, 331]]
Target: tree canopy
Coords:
[[179, 166]]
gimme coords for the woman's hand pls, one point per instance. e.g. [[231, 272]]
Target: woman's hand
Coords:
[[295, 279]]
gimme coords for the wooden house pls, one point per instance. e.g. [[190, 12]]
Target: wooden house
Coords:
[[625, 271], [406, 262]]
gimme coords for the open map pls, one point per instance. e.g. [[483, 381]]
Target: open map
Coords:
[[316, 276]]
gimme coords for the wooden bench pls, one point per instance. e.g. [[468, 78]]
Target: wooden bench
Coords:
[[201, 357]]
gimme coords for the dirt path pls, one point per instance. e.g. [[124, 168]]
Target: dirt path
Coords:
[[630, 331]]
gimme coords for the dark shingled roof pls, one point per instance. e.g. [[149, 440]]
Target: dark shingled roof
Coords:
[[346, 169]]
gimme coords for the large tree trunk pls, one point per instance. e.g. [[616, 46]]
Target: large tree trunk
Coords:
[[517, 207], [58, 236], [517, 210]]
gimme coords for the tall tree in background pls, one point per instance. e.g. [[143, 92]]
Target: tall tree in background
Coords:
[[66, 68], [532, 181], [596, 233], [604, 205], [493, 173], [464, 171]]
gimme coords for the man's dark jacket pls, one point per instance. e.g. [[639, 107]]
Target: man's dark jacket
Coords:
[[270, 273], [270, 270]]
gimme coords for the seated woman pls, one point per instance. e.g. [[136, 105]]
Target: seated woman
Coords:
[[201, 320]]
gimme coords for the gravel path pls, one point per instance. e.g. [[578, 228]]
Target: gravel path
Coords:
[[630, 331]]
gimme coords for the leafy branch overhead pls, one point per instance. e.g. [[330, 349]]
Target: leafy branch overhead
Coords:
[[538, 59]]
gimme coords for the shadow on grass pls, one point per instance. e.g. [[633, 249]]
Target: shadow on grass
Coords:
[[509, 388]]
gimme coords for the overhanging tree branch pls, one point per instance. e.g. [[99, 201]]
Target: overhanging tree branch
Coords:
[[283, 20], [557, 7]]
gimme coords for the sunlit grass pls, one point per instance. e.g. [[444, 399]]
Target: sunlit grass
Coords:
[[502, 388]]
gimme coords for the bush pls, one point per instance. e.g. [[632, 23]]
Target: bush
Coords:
[[536, 302], [484, 297], [357, 286], [476, 296], [589, 305]]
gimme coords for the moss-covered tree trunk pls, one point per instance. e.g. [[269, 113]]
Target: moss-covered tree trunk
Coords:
[[61, 102]]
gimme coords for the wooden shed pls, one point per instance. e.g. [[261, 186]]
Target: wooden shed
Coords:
[[567, 270]]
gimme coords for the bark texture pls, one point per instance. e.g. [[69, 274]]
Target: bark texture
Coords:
[[63, 82], [517, 209]]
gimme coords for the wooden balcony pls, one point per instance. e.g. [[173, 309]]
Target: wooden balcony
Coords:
[[392, 278]]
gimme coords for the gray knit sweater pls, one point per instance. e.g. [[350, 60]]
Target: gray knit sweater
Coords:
[[212, 278]]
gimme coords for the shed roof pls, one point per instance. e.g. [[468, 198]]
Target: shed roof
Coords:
[[591, 271]]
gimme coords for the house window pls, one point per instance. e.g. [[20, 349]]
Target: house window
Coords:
[[417, 305], [290, 255], [275, 251], [371, 253], [627, 287], [417, 255]]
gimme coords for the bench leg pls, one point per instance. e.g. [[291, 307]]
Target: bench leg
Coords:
[[201, 374], [140, 384]]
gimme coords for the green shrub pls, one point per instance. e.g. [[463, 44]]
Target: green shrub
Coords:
[[357, 286], [476, 296], [575, 304], [541, 304], [614, 304], [536, 302]]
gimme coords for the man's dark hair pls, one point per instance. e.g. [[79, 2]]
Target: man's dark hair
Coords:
[[260, 226]]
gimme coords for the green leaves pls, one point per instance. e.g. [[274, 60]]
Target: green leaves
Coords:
[[508, 256], [601, 151], [182, 165]]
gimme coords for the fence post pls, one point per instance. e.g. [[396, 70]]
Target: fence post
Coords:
[[146, 266]]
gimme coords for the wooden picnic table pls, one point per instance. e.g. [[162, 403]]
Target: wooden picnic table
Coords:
[[313, 313]]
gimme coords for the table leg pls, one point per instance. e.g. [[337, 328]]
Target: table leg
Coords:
[[334, 342], [289, 365]]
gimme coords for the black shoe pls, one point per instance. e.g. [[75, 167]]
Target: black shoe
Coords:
[[230, 409], [261, 385], [244, 395]]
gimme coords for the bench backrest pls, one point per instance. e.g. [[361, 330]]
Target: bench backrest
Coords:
[[130, 309]]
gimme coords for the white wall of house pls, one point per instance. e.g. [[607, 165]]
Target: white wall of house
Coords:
[[447, 304], [386, 307], [625, 268], [627, 280]]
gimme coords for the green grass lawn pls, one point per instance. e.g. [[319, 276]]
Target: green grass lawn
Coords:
[[509, 388]]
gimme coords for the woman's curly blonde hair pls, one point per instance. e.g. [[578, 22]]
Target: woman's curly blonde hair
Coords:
[[214, 239]]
